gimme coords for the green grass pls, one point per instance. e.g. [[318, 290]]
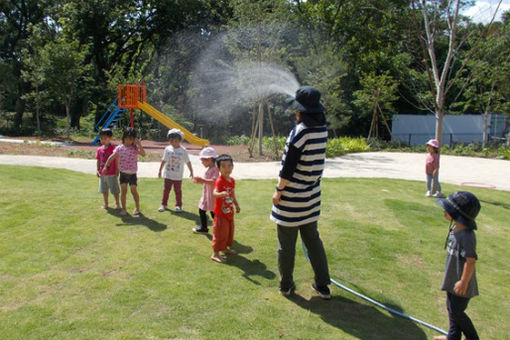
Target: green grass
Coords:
[[69, 270]]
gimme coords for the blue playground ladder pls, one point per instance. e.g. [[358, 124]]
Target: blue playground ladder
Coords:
[[109, 119]]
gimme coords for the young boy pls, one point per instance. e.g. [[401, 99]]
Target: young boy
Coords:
[[174, 158], [107, 177], [461, 209], [225, 199]]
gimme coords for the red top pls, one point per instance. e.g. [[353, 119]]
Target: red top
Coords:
[[431, 163], [224, 206], [102, 155]]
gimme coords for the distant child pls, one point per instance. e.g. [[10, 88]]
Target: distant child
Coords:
[[174, 158], [432, 169], [127, 156], [107, 177], [459, 282], [223, 232], [206, 203]]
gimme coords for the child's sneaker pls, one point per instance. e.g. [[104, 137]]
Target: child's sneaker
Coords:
[[162, 208], [428, 194], [178, 209], [438, 194], [123, 212], [323, 291], [200, 230], [287, 292], [136, 213], [117, 207]]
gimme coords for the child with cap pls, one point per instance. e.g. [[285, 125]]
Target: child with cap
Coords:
[[108, 178], [432, 169], [207, 157], [174, 158], [459, 282]]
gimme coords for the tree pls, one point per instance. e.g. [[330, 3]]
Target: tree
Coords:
[[65, 71], [376, 97]]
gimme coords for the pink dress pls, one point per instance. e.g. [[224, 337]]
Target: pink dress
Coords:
[[206, 202], [128, 158]]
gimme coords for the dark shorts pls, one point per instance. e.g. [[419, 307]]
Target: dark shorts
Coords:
[[128, 178]]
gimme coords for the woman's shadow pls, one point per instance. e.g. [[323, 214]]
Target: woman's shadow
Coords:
[[360, 320]]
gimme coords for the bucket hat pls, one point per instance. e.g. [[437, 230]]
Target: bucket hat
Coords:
[[307, 100], [463, 207], [433, 143], [175, 131], [207, 153]]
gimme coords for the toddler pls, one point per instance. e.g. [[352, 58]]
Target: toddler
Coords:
[[126, 155], [206, 203], [432, 169], [459, 282], [107, 177], [174, 158], [223, 232]]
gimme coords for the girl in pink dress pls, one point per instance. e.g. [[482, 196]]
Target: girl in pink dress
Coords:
[[206, 202]]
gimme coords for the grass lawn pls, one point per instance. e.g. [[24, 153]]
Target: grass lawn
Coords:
[[70, 270]]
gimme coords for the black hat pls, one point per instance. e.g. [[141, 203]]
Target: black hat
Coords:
[[307, 100], [462, 206]]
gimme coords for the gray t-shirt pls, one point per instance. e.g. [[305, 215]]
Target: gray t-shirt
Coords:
[[461, 244]]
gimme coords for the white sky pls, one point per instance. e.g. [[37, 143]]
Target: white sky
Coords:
[[483, 10]]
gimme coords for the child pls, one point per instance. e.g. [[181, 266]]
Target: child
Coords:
[[459, 280], [127, 156], [432, 169], [107, 177], [206, 202], [223, 232], [173, 160]]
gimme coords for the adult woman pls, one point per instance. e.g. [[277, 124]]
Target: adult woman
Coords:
[[296, 202]]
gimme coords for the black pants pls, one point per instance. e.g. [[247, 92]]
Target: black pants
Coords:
[[287, 237], [459, 321], [203, 218]]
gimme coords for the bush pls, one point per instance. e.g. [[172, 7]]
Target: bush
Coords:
[[238, 140], [343, 145]]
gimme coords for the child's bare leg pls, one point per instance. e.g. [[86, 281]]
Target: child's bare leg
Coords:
[[136, 197], [217, 257], [441, 337], [117, 202], [123, 193], [105, 199], [229, 251]]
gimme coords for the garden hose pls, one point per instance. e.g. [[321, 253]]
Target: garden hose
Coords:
[[378, 304]]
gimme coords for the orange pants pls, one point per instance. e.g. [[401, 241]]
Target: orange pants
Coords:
[[223, 233]]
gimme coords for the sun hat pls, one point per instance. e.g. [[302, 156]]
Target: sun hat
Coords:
[[433, 143], [175, 132], [463, 207], [207, 153], [307, 100]]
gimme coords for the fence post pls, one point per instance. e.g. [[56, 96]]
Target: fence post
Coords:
[[451, 139], [410, 139]]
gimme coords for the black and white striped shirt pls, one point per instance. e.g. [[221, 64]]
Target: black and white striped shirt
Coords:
[[301, 199]]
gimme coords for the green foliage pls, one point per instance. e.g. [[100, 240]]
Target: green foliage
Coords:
[[343, 145], [238, 140]]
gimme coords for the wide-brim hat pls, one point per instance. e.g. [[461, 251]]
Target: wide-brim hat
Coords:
[[463, 207], [306, 100]]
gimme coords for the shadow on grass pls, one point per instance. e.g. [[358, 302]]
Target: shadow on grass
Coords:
[[360, 320], [497, 204], [250, 268], [141, 220], [187, 215]]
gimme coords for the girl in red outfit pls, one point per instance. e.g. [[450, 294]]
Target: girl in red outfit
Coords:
[[432, 169], [225, 200]]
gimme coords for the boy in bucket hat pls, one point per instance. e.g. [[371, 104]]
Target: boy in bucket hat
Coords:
[[461, 209]]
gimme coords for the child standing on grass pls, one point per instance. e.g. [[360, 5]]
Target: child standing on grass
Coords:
[[223, 232], [432, 169], [174, 158], [206, 203], [461, 209], [127, 156], [107, 177]]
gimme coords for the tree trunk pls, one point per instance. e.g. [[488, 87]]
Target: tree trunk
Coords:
[[485, 137]]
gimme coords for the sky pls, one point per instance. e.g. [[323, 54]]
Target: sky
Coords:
[[483, 10]]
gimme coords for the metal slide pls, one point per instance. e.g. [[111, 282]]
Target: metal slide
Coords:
[[169, 123]]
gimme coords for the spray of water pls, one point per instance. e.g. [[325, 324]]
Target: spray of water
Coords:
[[222, 86]]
